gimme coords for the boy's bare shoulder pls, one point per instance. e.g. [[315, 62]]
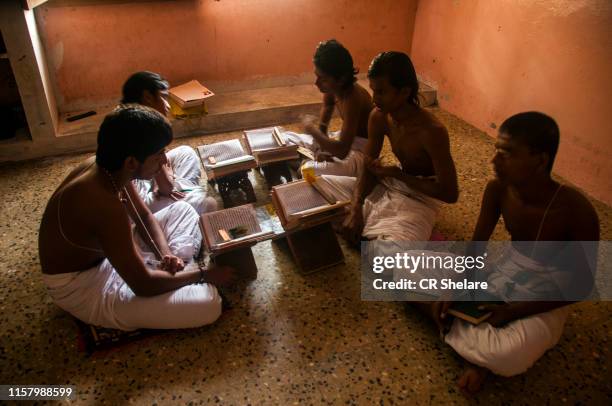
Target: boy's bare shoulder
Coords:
[[377, 122], [362, 94], [378, 118], [495, 186], [576, 201], [580, 215], [88, 198], [358, 97]]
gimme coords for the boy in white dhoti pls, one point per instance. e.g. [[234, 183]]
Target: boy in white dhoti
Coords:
[[399, 202], [534, 208], [342, 154], [179, 178], [92, 265]]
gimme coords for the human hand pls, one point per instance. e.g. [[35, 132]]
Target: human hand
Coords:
[[352, 226], [176, 195], [168, 169], [501, 314], [323, 156], [309, 123], [219, 275], [171, 264], [439, 314], [382, 171]]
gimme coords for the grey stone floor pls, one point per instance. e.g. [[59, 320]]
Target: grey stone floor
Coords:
[[290, 338]]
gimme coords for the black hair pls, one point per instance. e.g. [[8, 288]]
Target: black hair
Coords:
[[398, 68], [536, 130], [332, 58], [134, 87], [131, 130]]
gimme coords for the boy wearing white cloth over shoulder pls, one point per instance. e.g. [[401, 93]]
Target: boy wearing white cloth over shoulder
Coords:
[[100, 270], [179, 178], [534, 208]]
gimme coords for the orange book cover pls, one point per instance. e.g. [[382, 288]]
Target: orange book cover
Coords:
[[190, 94]]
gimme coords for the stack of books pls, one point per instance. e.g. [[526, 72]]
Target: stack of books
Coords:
[[189, 99], [269, 145], [302, 204], [225, 158]]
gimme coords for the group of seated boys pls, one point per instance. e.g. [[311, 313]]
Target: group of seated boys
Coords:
[[118, 237]]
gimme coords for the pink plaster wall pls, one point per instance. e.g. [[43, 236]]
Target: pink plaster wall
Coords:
[[491, 59], [92, 49]]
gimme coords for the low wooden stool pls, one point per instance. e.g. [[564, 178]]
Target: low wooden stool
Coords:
[[315, 248], [306, 211], [241, 259], [229, 235], [273, 172], [236, 182]]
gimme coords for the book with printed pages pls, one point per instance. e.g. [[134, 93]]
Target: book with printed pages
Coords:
[[301, 204], [269, 145], [225, 158], [229, 229]]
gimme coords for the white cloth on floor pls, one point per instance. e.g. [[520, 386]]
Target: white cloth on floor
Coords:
[[511, 349], [351, 165], [508, 350], [101, 297], [392, 211], [186, 168]]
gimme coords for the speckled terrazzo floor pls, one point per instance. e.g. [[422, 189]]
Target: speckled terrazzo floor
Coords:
[[290, 338]]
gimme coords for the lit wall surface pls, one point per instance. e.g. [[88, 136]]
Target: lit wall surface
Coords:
[[492, 59], [92, 49]]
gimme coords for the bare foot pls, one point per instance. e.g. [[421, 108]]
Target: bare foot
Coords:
[[472, 379]]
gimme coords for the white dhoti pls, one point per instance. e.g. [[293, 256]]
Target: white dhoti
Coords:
[[351, 165], [512, 349], [509, 350], [101, 297], [186, 168], [393, 211]]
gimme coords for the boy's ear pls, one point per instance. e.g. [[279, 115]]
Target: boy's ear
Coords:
[[544, 161], [147, 99], [405, 92], [131, 164]]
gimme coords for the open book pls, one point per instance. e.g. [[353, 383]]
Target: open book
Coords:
[[301, 203], [232, 228], [224, 158], [269, 145]]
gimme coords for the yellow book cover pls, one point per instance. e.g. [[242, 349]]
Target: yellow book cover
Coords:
[[179, 112]]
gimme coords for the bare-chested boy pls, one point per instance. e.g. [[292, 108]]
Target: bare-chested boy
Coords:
[[399, 202], [179, 178], [534, 207], [93, 265], [342, 154]]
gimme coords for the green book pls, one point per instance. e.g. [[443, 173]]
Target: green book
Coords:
[[469, 311]]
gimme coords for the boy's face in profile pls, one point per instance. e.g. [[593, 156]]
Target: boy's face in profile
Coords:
[[386, 97], [324, 82], [151, 165], [514, 162], [157, 101]]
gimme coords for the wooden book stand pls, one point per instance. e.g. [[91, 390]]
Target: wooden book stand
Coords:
[[229, 235], [306, 216]]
